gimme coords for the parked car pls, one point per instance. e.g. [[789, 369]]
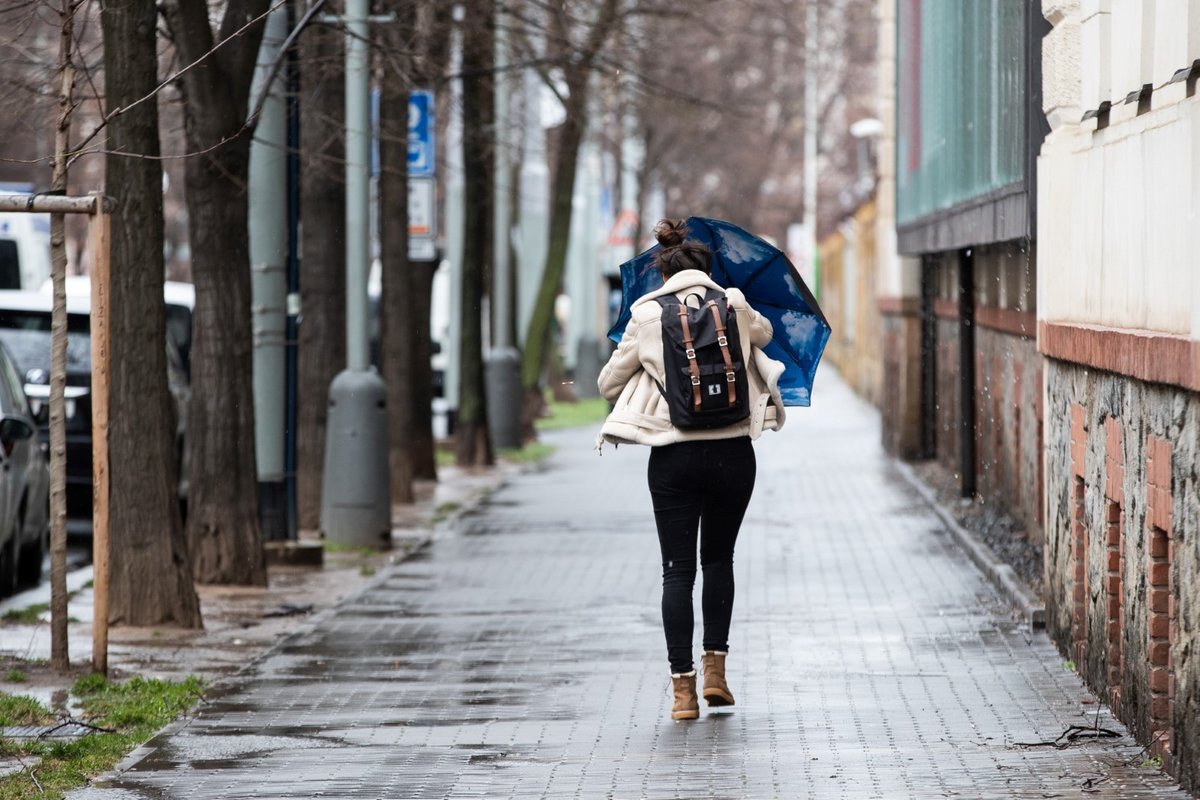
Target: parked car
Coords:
[[25, 321], [24, 486]]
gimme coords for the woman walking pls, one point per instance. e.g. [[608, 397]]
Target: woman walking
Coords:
[[699, 420]]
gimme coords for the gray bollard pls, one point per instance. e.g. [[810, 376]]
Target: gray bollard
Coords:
[[504, 398], [355, 503], [591, 356]]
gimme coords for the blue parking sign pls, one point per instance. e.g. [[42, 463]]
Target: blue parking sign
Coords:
[[420, 134]]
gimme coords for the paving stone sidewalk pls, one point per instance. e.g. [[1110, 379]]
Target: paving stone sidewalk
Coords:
[[522, 656]]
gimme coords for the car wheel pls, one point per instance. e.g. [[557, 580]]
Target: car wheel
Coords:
[[33, 555], [8, 567]]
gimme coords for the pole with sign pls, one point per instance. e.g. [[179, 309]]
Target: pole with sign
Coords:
[[422, 210]]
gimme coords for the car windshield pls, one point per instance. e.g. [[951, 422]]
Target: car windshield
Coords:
[[27, 336]]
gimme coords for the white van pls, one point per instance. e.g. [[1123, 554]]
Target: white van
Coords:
[[24, 250]]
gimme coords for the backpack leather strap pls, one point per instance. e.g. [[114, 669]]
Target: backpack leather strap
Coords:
[[689, 345], [723, 341]]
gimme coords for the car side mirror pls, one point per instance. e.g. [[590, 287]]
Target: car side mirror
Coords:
[[13, 430]]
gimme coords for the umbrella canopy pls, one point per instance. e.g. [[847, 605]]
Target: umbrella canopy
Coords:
[[771, 285]]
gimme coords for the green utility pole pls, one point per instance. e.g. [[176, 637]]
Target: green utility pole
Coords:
[[268, 276], [355, 501], [503, 361]]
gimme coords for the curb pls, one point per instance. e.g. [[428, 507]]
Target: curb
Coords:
[[1002, 576]]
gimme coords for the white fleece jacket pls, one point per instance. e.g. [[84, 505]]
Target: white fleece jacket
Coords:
[[633, 374]]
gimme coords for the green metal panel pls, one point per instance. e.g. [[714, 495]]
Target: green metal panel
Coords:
[[961, 112]]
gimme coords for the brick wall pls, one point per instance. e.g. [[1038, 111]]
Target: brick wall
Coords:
[[1008, 403], [1122, 561]]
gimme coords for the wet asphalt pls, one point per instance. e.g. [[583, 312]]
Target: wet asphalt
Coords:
[[521, 655]]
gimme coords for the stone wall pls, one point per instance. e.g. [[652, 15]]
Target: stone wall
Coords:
[[1008, 423], [1122, 555]]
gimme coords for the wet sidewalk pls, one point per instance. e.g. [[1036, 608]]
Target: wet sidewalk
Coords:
[[522, 655]]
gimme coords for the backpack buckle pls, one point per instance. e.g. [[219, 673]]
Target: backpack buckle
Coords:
[[690, 353], [730, 377], [695, 380], [723, 341]]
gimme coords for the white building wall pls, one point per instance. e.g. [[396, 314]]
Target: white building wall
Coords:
[[895, 276], [1116, 204]]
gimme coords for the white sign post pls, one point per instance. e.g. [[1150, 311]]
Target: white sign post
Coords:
[[422, 220]]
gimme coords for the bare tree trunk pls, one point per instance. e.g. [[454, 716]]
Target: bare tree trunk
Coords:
[[323, 278], [223, 522], [537, 343], [59, 651], [422, 448], [577, 72], [397, 301], [478, 99], [431, 54], [150, 568]]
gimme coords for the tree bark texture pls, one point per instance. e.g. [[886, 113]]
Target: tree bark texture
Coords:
[[322, 337], [223, 522], [397, 301], [474, 446], [149, 565], [431, 54], [422, 447], [59, 649]]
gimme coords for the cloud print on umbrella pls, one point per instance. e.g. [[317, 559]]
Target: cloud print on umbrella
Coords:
[[771, 285]]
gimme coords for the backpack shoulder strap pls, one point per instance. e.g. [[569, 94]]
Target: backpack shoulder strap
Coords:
[[723, 341]]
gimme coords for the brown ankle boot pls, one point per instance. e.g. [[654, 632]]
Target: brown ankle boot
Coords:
[[687, 705], [716, 691]]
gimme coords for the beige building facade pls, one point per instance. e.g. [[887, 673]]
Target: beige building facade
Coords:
[[1118, 314]]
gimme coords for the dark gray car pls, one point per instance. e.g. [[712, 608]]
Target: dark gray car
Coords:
[[24, 486]]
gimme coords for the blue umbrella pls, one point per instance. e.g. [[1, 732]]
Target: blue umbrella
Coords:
[[771, 285]]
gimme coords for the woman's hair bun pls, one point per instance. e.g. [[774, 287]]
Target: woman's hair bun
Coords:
[[670, 232]]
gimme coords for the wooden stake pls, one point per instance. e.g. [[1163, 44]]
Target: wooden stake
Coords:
[[98, 236]]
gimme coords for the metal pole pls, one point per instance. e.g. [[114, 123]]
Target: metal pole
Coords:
[[502, 305], [358, 143], [293, 279], [811, 58], [268, 266], [503, 362], [535, 195], [355, 500]]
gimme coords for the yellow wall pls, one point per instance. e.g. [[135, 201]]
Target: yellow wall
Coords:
[[848, 279]]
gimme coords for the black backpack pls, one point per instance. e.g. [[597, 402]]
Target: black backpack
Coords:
[[705, 373]]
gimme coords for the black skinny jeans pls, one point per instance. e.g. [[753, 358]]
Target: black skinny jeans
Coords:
[[701, 486]]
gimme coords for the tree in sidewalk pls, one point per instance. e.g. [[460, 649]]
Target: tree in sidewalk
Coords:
[[575, 39], [431, 55], [397, 302], [415, 55], [65, 78], [478, 110], [223, 523], [322, 346], [150, 568]]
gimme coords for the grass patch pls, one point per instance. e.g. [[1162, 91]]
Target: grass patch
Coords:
[[15, 676], [30, 615], [17, 709], [443, 512], [574, 415], [529, 454], [134, 711], [444, 456]]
